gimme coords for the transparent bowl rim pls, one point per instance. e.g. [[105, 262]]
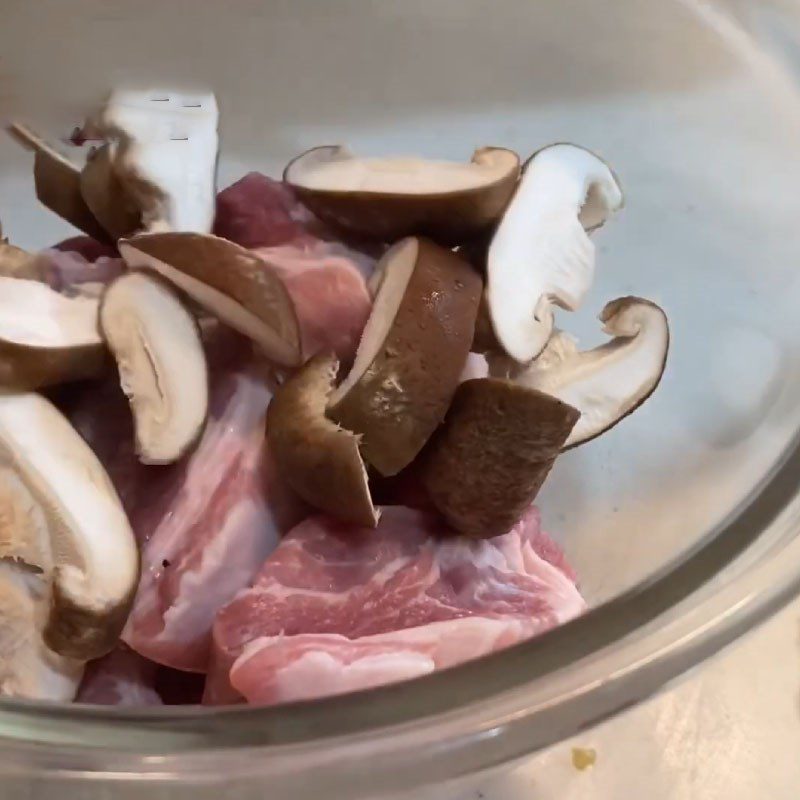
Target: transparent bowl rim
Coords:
[[473, 716]]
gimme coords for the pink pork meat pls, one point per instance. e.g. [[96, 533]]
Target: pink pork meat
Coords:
[[335, 609], [258, 211], [329, 293], [207, 526], [325, 278]]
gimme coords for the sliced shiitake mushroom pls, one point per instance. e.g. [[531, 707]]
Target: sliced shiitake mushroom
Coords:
[[162, 367], [58, 183], [94, 556], [611, 381], [28, 668], [318, 459], [164, 155], [485, 465], [229, 281], [105, 195], [412, 352], [388, 198], [45, 337], [540, 254]]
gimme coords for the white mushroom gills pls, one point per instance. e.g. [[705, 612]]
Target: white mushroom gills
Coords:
[[165, 153], [609, 382], [161, 362], [94, 554], [541, 255]]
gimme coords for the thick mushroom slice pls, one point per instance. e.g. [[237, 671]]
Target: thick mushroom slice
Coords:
[[106, 196], [412, 352], [95, 560], [58, 183], [611, 381], [165, 155], [388, 198], [541, 255], [319, 460], [485, 465], [162, 367], [28, 667], [46, 338], [230, 281]]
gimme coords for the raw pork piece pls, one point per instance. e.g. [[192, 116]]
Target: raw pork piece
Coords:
[[206, 528], [101, 414], [89, 248], [122, 678], [258, 211], [325, 278], [67, 269], [329, 294], [336, 609]]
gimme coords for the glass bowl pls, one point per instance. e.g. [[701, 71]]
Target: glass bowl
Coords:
[[681, 522]]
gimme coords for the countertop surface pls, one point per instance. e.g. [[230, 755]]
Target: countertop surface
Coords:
[[728, 731]]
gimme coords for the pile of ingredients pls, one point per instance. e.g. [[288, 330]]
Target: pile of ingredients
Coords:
[[283, 441]]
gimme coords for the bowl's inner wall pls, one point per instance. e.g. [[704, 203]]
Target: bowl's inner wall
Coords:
[[700, 137]]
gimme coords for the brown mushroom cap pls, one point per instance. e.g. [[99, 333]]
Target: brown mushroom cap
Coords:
[[46, 338], [485, 465], [230, 281], [58, 183], [389, 198], [318, 459], [411, 355]]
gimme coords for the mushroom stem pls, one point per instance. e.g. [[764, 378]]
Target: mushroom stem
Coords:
[[165, 155], [609, 382]]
